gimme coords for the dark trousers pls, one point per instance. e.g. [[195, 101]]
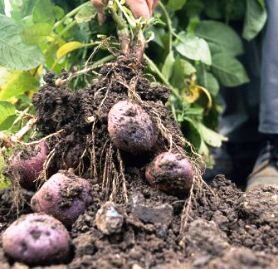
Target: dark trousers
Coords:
[[252, 109]]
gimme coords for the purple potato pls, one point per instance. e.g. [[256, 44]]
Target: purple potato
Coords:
[[37, 239], [131, 128], [171, 173], [26, 167], [64, 196]]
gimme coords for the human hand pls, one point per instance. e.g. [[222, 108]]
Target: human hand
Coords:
[[139, 8]]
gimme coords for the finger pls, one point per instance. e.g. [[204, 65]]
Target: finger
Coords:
[[139, 8], [152, 5], [100, 5]]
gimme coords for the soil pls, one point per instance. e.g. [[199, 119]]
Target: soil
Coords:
[[226, 228]]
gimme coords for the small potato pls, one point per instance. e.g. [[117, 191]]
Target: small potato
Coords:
[[131, 128], [26, 167], [64, 196], [37, 239], [171, 173]]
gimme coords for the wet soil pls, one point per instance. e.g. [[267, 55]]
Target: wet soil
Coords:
[[226, 228]]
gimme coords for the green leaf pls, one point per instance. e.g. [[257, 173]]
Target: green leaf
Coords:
[[191, 132], [14, 53], [36, 33], [85, 14], [175, 5], [208, 80], [67, 48], [181, 70], [167, 68], [211, 137], [21, 8], [193, 48], [213, 9], [17, 84], [255, 18], [228, 70], [2, 7], [44, 11], [220, 37], [7, 110]]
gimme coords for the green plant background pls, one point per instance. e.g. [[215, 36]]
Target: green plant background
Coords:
[[193, 49]]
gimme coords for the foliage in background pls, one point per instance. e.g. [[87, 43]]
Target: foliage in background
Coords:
[[193, 48]]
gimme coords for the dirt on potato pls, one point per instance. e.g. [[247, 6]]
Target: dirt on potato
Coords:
[[226, 228]]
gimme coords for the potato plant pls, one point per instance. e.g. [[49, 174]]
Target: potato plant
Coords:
[[188, 41]]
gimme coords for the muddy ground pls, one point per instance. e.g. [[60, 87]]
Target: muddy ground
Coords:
[[229, 230], [226, 228]]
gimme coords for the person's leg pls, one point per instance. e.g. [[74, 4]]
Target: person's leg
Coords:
[[269, 85], [265, 171], [239, 122]]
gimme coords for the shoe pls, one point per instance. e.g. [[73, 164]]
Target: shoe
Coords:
[[235, 161], [265, 172]]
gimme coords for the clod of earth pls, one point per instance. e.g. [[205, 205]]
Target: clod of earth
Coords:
[[64, 196], [171, 173], [108, 219], [37, 239], [131, 128]]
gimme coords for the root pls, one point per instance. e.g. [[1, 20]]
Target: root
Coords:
[[17, 197], [45, 138], [198, 190]]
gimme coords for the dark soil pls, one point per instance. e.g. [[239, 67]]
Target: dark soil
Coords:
[[226, 228]]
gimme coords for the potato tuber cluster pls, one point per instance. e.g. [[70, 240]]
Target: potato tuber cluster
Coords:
[[41, 237]]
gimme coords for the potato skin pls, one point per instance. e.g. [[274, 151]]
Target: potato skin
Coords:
[[131, 128], [171, 173], [64, 196], [37, 239], [26, 171]]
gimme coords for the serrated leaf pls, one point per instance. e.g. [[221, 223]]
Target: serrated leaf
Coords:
[[175, 5], [21, 8], [167, 68], [255, 19], [209, 81], [7, 110], [2, 7], [191, 132], [193, 48], [86, 14], [220, 37], [14, 53], [17, 84], [67, 48], [181, 70], [44, 11], [211, 137], [36, 33], [228, 70]]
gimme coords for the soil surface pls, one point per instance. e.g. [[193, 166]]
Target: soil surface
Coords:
[[225, 228]]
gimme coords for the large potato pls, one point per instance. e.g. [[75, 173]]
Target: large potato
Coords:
[[171, 173], [131, 128], [37, 239], [64, 196]]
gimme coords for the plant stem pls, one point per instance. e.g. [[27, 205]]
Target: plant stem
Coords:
[[92, 67], [169, 25], [155, 69], [70, 14]]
